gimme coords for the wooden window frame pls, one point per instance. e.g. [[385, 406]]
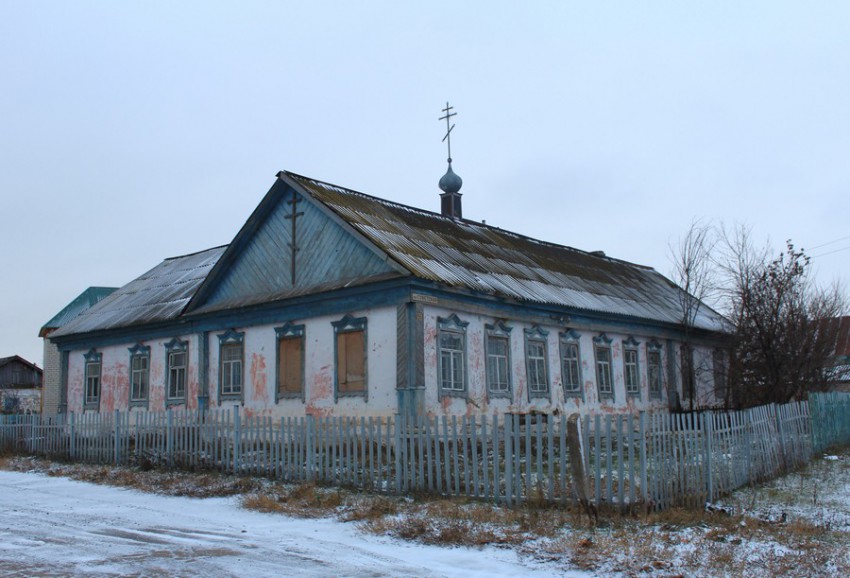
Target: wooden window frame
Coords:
[[631, 368], [92, 379], [231, 341], [569, 341], [139, 353], [289, 332], [498, 331], [537, 336], [173, 349], [346, 325], [653, 351], [602, 345], [452, 327]]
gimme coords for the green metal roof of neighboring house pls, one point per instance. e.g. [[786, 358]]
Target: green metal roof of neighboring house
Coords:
[[487, 259], [83, 301], [158, 295]]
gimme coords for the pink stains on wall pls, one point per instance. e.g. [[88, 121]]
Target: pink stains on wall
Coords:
[[115, 388], [259, 379], [156, 385], [321, 387], [476, 352], [430, 346], [75, 389]]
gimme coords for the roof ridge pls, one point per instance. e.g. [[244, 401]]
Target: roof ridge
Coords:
[[442, 217], [196, 252]]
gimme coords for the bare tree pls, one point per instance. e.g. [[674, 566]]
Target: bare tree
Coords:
[[694, 272], [782, 341]]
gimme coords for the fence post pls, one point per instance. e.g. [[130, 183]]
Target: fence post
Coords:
[[169, 434], [237, 438], [117, 448], [579, 475], [708, 432], [72, 444], [644, 481], [780, 431], [748, 442], [509, 461], [310, 447]]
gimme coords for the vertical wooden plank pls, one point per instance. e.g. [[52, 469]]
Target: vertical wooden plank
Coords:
[[551, 457], [562, 475], [509, 473]]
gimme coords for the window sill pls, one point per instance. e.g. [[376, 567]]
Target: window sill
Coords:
[[283, 396], [539, 395], [500, 394], [175, 401], [461, 393], [139, 403]]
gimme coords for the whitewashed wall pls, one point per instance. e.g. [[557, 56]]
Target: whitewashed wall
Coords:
[[478, 400]]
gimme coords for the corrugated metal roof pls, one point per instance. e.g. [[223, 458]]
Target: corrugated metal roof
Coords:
[[158, 295], [85, 300], [494, 261]]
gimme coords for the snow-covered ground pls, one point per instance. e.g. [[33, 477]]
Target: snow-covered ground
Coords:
[[54, 526], [798, 525]]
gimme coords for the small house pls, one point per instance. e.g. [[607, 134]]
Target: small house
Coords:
[[330, 301]]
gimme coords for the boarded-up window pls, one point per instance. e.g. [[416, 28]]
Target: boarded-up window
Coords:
[[290, 370], [351, 362]]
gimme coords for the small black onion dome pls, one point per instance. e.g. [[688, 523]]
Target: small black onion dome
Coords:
[[450, 183]]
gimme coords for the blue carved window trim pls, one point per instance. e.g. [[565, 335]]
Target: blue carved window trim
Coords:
[[140, 375], [537, 363], [231, 365], [654, 380], [347, 331], [176, 371], [498, 365], [603, 361], [92, 379], [631, 367], [285, 333], [570, 346], [452, 378]]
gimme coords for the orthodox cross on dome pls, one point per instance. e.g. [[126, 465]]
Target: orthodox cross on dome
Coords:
[[448, 137], [450, 184], [294, 216]]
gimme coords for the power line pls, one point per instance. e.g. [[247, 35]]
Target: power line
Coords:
[[830, 243], [847, 248]]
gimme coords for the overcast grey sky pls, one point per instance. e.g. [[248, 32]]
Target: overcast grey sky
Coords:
[[135, 131]]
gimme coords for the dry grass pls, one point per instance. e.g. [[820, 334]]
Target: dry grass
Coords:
[[670, 543]]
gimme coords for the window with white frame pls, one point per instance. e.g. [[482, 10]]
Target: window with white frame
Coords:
[[653, 370], [140, 357], [231, 355], [536, 366], [631, 371], [570, 363], [290, 361], [93, 367], [602, 353], [176, 368], [451, 355], [351, 359], [498, 338]]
